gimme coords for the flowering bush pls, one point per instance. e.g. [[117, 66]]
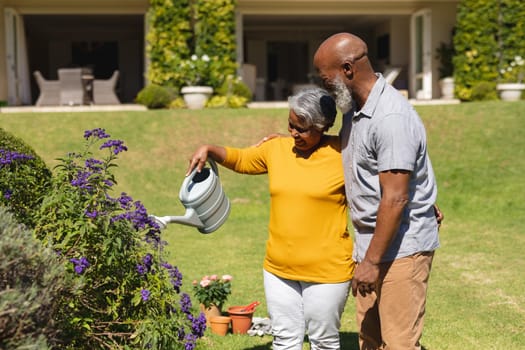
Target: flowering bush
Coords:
[[514, 71], [212, 291], [24, 178], [128, 296], [196, 70]]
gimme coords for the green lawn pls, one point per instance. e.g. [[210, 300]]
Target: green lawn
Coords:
[[476, 297]]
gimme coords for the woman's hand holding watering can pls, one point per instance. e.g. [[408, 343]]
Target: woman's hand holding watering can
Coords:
[[200, 156]]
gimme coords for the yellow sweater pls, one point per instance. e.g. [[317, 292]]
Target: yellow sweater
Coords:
[[308, 237]]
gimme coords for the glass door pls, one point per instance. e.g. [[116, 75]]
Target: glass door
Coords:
[[421, 60]]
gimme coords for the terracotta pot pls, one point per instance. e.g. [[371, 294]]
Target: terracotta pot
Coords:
[[241, 320], [211, 311], [220, 324]]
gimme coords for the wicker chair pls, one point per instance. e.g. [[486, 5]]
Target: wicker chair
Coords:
[[49, 91], [71, 88], [104, 90]]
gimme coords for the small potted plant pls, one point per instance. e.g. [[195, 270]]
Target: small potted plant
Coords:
[[196, 71], [212, 292], [445, 53], [511, 79]]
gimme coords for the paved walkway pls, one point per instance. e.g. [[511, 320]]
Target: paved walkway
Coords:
[[92, 108], [136, 107]]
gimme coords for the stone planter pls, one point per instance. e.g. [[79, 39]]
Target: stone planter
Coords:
[[510, 91], [196, 97], [447, 88]]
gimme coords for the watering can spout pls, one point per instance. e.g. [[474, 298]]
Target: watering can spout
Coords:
[[190, 218], [207, 206]]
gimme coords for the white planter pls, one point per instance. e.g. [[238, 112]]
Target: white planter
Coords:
[[510, 91], [447, 88], [196, 97]]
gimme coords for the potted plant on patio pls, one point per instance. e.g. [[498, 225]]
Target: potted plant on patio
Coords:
[[445, 53], [196, 71], [511, 83]]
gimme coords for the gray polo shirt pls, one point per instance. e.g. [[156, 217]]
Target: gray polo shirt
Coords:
[[388, 134]]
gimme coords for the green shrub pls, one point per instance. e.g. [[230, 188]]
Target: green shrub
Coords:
[[155, 96], [32, 286], [167, 40], [233, 101], [489, 34], [214, 35], [130, 295], [24, 178], [233, 93], [180, 29], [235, 86], [484, 91], [177, 103]]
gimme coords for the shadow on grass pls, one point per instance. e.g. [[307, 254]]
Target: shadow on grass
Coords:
[[349, 341]]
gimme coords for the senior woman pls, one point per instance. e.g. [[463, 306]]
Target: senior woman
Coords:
[[308, 263]]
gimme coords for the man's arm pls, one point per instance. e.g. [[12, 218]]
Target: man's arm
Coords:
[[394, 197]]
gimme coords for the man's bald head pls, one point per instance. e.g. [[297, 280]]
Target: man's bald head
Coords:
[[344, 47], [344, 68]]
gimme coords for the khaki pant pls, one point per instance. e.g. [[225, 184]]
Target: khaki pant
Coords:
[[392, 318]]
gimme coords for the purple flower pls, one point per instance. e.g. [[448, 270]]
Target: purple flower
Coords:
[[82, 180], [94, 165], [80, 264], [185, 303], [141, 269], [91, 214], [190, 341], [148, 260], [198, 325], [145, 294], [7, 194], [175, 276], [116, 145], [7, 157], [125, 201], [97, 133]]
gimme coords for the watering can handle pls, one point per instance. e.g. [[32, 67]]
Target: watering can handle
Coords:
[[213, 166]]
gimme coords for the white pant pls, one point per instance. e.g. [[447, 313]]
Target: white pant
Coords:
[[297, 307]]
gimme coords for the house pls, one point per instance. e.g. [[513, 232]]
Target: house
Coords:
[[277, 38]]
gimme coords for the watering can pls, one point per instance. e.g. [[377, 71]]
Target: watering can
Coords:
[[207, 206]]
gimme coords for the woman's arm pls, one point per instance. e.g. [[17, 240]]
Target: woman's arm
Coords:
[[199, 157]]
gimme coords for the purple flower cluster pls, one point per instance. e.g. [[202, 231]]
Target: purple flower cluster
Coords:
[[190, 340], [117, 146], [147, 263], [138, 216], [82, 180], [198, 325], [7, 157], [94, 165], [80, 264], [8, 193], [145, 294], [185, 303], [136, 213], [175, 276], [97, 133]]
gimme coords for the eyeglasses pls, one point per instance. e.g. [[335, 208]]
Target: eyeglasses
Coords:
[[302, 131]]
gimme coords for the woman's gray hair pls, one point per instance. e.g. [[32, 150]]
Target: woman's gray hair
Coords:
[[315, 106]]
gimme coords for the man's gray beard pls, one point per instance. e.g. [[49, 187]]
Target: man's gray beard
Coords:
[[342, 96]]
